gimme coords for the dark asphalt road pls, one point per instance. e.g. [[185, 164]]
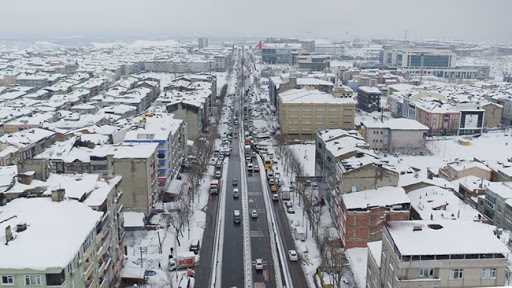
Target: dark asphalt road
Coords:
[[233, 256], [203, 272], [260, 237]]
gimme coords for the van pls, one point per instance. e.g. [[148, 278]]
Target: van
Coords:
[[236, 216]]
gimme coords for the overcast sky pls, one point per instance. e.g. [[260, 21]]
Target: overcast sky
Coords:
[[478, 20]]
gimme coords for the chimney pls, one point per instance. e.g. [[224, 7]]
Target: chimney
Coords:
[[58, 194], [26, 177], [8, 235]]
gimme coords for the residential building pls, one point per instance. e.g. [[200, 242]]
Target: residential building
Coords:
[[496, 203], [202, 42], [440, 260], [170, 135], [368, 99], [462, 168], [51, 242], [302, 112], [394, 134], [363, 214], [136, 163], [493, 115], [25, 144]]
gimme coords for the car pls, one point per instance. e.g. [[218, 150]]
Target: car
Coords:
[[290, 210], [288, 204], [236, 194], [258, 265], [275, 197], [254, 214], [292, 255], [256, 169], [235, 181]]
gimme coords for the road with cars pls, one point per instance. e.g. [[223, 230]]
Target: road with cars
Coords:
[[247, 255]]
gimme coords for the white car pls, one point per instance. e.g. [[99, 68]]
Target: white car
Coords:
[[258, 265], [292, 255], [254, 214]]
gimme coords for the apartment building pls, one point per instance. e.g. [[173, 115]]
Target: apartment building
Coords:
[[136, 163], [363, 214], [368, 98], [170, 135], [394, 134], [496, 203], [440, 260], [462, 168], [50, 243], [302, 112], [25, 144]]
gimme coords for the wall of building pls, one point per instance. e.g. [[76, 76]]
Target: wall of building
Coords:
[[306, 119], [368, 177], [139, 183]]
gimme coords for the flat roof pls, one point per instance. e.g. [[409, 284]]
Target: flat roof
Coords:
[[55, 232], [380, 197], [455, 237]]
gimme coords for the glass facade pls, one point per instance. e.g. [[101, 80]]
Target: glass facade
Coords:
[[429, 60]]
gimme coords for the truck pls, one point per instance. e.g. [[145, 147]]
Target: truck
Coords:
[[214, 186], [183, 262]]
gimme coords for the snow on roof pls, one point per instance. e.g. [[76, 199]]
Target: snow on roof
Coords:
[[436, 203], [133, 219], [76, 186], [26, 137], [370, 90], [55, 232], [375, 249], [158, 127], [100, 193], [393, 123], [502, 189], [311, 96], [462, 165], [380, 197], [478, 238], [303, 81]]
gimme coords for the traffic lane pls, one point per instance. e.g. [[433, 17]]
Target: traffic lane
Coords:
[[232, 260], [298, 277], [205, 260], [260, 238]]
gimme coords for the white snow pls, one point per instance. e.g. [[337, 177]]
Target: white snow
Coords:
[[55, 232], [358, 258]]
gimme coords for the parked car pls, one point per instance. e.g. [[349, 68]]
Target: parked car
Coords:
[[290, 210]]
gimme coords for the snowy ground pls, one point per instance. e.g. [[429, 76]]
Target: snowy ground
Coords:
[[305, 153], [358, 258], [144, 245]]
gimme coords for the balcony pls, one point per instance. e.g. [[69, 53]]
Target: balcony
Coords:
[[420, 282], [105, 265], [89, 268]]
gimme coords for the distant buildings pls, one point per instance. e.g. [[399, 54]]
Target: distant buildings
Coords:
[[428, 254], [202, 42], [302, 112], [436, 62]]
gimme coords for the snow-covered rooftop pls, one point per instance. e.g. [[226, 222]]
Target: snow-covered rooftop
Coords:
[[478, 238], [55, 232], [380, 197]]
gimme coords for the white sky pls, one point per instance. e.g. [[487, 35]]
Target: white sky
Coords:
[[441, 19]]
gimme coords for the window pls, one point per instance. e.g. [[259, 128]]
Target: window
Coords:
[[425, 273], [456, 274], [488, 274], [7, 280], [33, 280]]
